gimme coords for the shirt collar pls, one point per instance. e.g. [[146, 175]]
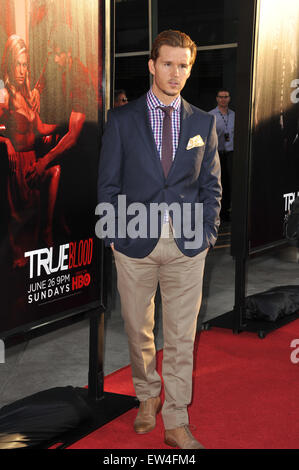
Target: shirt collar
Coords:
[[228, 110], [153, 102]]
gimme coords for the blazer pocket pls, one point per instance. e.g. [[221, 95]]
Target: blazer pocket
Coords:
[[196, 155]]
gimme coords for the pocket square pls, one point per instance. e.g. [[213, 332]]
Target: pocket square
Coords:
[[195, 141]]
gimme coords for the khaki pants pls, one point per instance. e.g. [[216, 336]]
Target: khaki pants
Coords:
[[180, 278]]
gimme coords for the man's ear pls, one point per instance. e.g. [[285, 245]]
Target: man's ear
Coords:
[[151, 66]]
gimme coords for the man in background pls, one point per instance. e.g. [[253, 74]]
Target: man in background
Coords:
[[225, 123], [77, 116], [120, 98]]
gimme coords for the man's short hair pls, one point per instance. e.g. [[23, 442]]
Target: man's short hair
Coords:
[[221, 90], [119, 92], [173, 38], [62, 37]]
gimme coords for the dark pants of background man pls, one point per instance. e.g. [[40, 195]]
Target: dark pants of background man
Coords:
[[226, 161]]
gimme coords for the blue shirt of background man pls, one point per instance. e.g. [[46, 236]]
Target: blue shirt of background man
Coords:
[[225, 123]]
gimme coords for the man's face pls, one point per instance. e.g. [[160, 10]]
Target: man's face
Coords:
[[170, 71], [121, 100], [60, 57], [223, 99], [20, 69]]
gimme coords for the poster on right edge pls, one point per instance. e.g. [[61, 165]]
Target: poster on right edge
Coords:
[[275, 119]]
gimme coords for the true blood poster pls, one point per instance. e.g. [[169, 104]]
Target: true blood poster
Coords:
[[50, 113], [275, 117]]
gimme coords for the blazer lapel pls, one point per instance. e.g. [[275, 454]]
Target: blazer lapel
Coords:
[[144, 126], [186, 112]]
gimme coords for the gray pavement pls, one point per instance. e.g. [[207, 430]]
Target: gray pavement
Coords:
[[60, 358]]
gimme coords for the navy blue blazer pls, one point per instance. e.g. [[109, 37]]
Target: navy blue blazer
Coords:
[[130, 167]]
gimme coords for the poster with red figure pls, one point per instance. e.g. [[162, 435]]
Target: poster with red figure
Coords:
[[50, 121]]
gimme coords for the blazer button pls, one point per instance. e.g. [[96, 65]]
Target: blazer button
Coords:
[[166, 186]]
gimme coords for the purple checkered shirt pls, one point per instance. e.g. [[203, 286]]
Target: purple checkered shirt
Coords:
[[156, 116]]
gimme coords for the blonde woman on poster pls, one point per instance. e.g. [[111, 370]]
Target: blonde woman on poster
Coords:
[[18, 112]]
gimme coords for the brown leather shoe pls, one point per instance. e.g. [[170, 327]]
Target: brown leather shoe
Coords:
[[182, 438], [146, 417]]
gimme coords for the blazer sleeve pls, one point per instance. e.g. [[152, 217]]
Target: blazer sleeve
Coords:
[[109, 175], [210, 189]]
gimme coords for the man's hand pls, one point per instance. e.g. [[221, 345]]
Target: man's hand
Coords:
[[47, 139], [35, 100], [12, 156], [35, 175]]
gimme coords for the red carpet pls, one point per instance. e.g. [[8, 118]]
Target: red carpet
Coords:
[[246, 394]]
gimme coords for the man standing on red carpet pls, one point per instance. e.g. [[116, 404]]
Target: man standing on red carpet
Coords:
[[159, 158]]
